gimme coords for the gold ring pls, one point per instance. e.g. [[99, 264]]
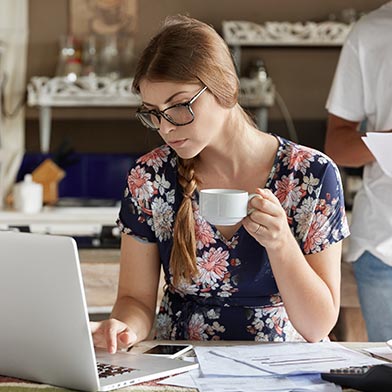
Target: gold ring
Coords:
[[258, 228]]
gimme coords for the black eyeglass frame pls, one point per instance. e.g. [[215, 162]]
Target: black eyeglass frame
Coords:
[[161, 113]]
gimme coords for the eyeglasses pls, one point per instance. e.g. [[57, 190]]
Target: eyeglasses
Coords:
[[179, 114]]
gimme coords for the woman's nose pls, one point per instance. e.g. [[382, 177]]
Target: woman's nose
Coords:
[[165, 126]]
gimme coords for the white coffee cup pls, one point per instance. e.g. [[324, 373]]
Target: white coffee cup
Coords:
[[225, 207]]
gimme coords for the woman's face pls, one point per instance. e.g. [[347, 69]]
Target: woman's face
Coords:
[[187, 140]]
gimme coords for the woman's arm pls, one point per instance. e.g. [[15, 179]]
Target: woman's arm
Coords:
[[134, 311], [309, 285]]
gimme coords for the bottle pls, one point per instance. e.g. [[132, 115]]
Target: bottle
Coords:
[[109, 64], [89, 56], [28, 195], [258, 70], [69, 62]]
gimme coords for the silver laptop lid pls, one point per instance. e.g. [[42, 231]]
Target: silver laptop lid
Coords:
[[38, 287]]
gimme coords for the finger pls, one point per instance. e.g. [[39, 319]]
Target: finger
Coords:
[[263, 211], [98, 334], [94, 326], [268, 222], [127, 338], [267, 206], [267, 194], [111, 338], [259, 229], [265, 218], [250, 202]]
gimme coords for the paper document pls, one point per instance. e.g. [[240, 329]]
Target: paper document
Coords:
[[185, 380], [380, 144], [193, 379], [269, 367], [228, 374], [264, 384], [382, 352], [211, 365], [295, 358]]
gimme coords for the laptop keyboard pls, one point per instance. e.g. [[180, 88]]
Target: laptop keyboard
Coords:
[[105, 370]]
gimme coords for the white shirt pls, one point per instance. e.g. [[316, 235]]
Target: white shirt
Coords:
[[362, 89]]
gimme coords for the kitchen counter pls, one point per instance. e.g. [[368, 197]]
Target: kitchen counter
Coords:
[[62, 220], [100, 267], [53, 212]]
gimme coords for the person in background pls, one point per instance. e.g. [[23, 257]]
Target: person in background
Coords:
[[362, 92], [275, 276]]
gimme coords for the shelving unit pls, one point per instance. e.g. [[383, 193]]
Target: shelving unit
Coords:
[[244, 34], [46, 93]]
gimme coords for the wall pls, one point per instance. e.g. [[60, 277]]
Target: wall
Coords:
[[301, 75]]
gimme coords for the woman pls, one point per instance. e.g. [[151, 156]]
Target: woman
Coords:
[[275, 276]]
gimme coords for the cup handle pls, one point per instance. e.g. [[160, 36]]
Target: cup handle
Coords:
[[250, 197]]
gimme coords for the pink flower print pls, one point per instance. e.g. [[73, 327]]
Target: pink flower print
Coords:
[[304, 216], [288, 192], [163, 219], [213, 265], [197, 327], [310, 183], [155, 158], [299, 159], [278, 329], [204, 234], [317, 234], [277, 318], [139, 183]]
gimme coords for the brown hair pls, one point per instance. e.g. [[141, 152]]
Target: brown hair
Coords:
[[188, 50]]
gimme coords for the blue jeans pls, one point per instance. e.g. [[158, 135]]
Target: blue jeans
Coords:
[[374, 280]]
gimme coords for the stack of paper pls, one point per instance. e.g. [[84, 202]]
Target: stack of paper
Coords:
[[380, 144], [269, 367]]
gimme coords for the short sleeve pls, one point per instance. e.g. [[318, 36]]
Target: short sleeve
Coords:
[[321, 215], [133, 217], [147, 206]]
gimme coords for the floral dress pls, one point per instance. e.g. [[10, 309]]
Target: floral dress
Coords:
[[235, 296]]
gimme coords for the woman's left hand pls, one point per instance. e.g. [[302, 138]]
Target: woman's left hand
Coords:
[[267, 223]]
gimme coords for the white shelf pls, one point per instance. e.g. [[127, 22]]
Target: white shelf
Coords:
[[85, 91], [245, 33]]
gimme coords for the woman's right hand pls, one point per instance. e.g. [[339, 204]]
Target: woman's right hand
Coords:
[[112, 334]]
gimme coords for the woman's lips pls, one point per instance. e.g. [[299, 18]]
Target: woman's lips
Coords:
[[177, 143]]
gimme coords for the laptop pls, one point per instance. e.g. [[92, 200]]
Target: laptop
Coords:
[[44, 328]]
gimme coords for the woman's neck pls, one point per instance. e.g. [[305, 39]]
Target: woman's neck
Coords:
[[240, 149]]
